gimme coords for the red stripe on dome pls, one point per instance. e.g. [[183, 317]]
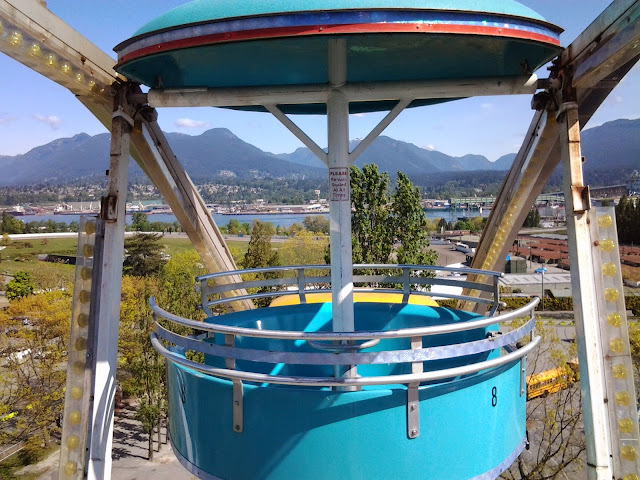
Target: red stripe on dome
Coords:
[[270, 33]]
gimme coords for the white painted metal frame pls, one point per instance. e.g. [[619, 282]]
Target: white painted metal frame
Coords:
[[355, 92], [108, 289]]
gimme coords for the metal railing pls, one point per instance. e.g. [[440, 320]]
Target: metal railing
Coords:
[[345, 348], [294, 281]]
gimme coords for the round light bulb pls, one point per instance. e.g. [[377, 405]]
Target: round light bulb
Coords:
[[620, 372], [70, 469], [628, 452], [15, 39], [631, 476], [73, 442], [83, 320], [76, 393], [90, 228], [81, 344], [616, 345], [87, 251], [1, 29], [605, 221], [85, 296], [78, 368], [50, 60], [611, 294], [607, 245], [35, 51], [75, 417], [614, 319], [609, 269], [623, 399], [79, 78], [86, 273], [625, 425], [66, 69]]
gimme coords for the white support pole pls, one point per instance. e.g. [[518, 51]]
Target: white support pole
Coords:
[[339, 195], [586, 306], [108, 296]]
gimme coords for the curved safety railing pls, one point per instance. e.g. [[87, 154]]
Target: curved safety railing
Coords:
[[351, 349], [294, 280]]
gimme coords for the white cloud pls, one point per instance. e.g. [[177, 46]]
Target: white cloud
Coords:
[[430, 147], [6, 119], [618, 99], [52, 120], [359, 115], [190, 123]]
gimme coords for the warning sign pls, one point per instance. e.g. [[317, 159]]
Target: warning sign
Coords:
[[339, 184]]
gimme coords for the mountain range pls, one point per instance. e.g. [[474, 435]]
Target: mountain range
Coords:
[[218, 153]]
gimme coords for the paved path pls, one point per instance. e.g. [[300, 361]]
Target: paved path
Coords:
[[129, 456]]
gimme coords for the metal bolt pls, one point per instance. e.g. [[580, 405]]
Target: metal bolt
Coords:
[[412, 407], [236, 403], [237, 427], [414, 432]]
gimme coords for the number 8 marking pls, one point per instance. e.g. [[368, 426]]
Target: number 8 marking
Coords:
[[494, 396]]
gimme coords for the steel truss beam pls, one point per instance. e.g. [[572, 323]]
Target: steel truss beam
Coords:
[[355, 92]]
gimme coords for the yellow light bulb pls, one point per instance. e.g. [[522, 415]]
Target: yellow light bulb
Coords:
[[76, 393], [628, 452], [81, 344], [623, 399], [78, 368], [625, 425], [614, 319], [15, 39], [75, 417], [90, 228], [616, 345], [50, 60], [79, 78], [86, 273], [83, 320], [85, 296], [66, 69], [87, 251], [607, 245], [620, 372], [73, 442], [631, 476], [35, 51], [70, 469], [611, 294], [1, 29], [609, 269], [605, 221]]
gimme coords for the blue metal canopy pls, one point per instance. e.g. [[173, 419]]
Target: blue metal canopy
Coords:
[[213, 43]]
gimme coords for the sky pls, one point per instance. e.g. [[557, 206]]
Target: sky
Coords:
[[35, 111]]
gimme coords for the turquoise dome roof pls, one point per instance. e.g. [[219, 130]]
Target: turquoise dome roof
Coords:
[[211, 10], [222, 43]]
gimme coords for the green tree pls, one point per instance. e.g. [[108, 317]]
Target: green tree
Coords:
[[371, 227], [9, 224], [316, 224], [533, 219], [142, 369], [143, 255], [259, 255], [31, 381], [409, 222], [140, 222], [20, 286], [628, 220]]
